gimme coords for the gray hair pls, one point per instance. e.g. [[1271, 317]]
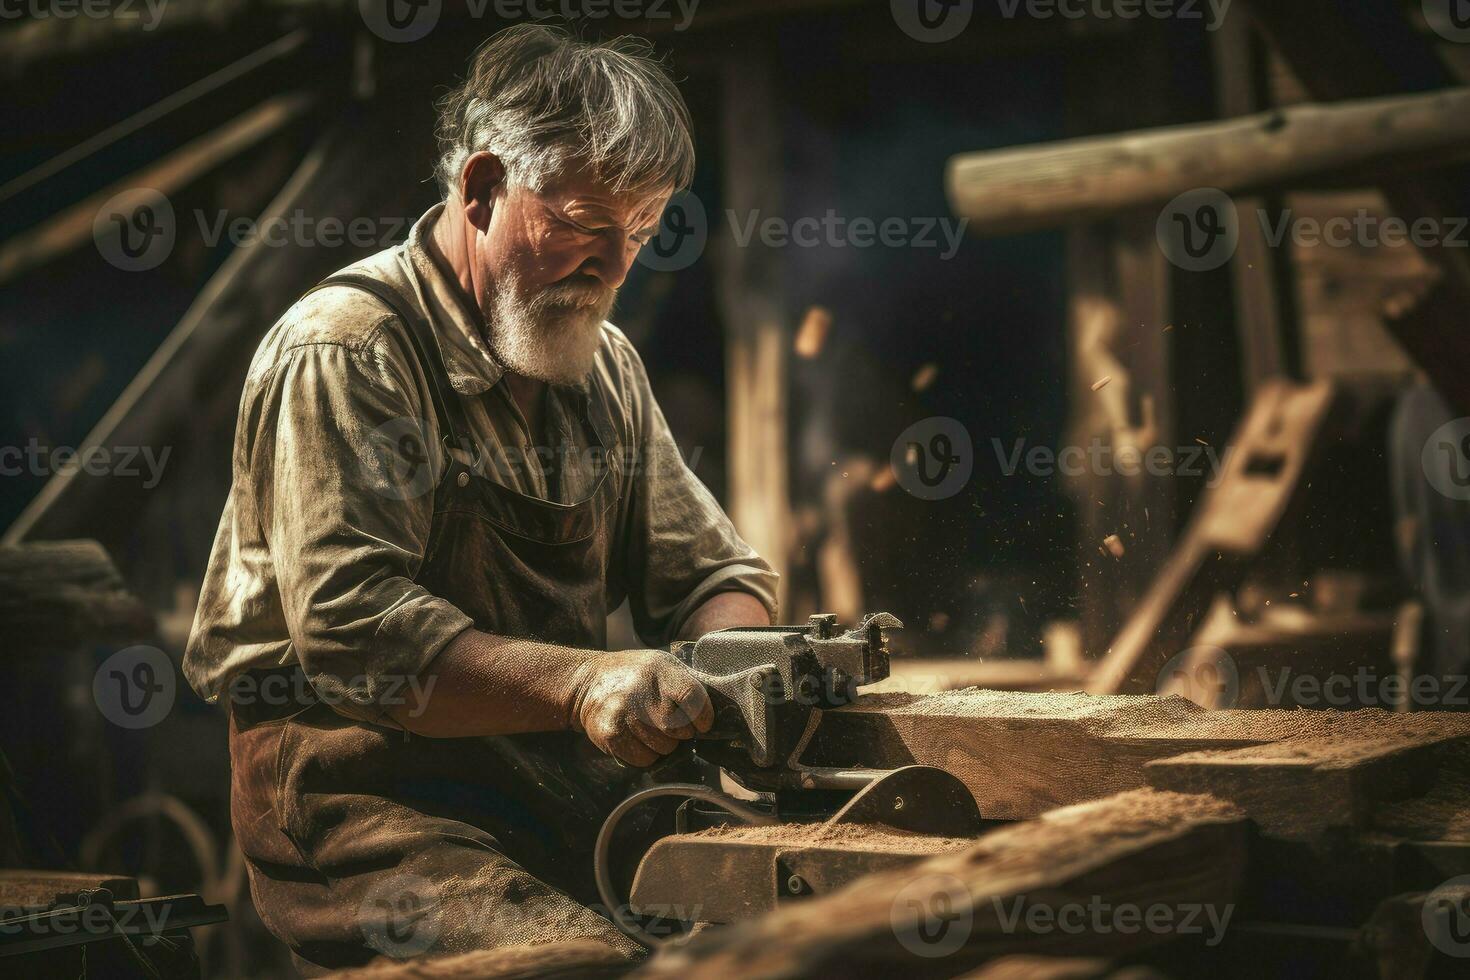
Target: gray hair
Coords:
[[545, 102]]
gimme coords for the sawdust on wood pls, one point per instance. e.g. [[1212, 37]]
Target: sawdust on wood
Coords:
[[847, 836], [1143, 716], [1144, 846]]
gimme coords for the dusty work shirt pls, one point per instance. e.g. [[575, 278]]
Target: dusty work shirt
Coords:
[[337, 454]]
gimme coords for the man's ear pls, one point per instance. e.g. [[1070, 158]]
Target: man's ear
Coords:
[[480, 180]]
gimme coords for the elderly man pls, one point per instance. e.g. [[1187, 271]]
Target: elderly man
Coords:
[[448, 470]]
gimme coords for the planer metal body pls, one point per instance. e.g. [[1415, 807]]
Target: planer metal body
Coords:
[[769, 686]]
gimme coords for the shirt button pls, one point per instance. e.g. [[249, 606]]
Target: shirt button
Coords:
[[464, 479]]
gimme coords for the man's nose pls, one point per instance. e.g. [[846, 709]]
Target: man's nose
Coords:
[[611, 260]]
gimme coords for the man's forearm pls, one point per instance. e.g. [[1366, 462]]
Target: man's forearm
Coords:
[[482, 684], [724, 610]]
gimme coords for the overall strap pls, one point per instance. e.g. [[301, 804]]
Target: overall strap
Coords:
[[447, 408]]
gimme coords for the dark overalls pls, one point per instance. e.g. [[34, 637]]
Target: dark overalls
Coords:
[[364, 840]]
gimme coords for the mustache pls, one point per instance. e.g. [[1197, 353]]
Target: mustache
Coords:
[[577, 292]]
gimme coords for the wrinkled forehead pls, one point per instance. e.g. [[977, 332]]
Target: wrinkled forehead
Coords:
[[585, 194]]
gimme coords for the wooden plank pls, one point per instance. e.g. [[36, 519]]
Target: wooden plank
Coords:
[[566, 959], [1301, 787], [1021, 754], [57, 595], [1031, 187], [1134, 850]]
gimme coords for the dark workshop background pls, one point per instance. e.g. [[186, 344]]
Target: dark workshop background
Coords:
[[856, 116]]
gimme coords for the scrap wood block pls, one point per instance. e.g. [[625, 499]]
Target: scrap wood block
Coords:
[[1022, 754], [1020, 889], [56, 595]]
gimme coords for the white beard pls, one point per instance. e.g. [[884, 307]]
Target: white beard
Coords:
[[552, 335]]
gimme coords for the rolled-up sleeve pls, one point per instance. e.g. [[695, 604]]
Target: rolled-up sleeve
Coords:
[[680, 547], [342, 464]]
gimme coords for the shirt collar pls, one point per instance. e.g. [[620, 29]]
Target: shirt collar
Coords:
[[473, 368]]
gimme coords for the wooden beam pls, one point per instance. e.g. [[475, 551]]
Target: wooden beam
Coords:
[[1023, 754], [1143, 848], [69, 229], [1031, 187]]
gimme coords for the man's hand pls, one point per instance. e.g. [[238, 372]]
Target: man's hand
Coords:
[[636, 705]]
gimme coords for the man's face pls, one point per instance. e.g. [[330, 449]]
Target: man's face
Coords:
[[553, 262]]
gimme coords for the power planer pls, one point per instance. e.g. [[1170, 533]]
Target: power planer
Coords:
[[769, 686]]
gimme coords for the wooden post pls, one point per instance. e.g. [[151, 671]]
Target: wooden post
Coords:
[[1254, 265], [757, 339]]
